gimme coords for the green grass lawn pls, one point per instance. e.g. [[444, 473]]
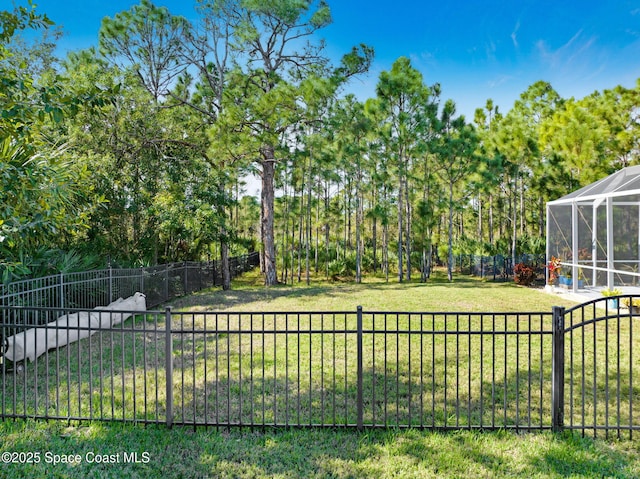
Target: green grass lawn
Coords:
[[465, 294], [268, 452]]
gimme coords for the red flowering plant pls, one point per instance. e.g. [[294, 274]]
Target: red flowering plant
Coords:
[[554, 269], [524, 274]]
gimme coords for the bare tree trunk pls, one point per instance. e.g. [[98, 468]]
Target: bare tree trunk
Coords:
[[261, 255], [359, 215], [348, 244], [326, 227], [317, 233], [285, 235], [385, 239], [224, 262], [514, 222], [400, 230], [522, 216], [408, 234], [374, 243], [268, 213], [308, 231], [374, 232], [480, 232], [385, 251], [292, 243], [541, 218], [491, 220], [450, 260], [300, 227]]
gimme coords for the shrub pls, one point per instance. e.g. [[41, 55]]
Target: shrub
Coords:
[[341, 268], [631, 302], [524, 274], [611, 292]]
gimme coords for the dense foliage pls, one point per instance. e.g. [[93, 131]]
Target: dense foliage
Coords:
[[140, 150]]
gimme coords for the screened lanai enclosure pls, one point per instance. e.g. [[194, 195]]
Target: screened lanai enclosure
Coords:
[[595, 233]]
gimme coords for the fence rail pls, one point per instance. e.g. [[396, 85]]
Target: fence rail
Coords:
[[570, 369]]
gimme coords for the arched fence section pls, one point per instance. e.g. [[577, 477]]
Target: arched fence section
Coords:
[[597, 368]]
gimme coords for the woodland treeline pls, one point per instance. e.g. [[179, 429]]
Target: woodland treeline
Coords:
[[138, 151]]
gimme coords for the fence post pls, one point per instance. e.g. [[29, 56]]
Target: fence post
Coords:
[[166, 282], [110, 283], [360, 371], [494, 267], [61, 280], [557, 373], [168, 352], [186, 280]]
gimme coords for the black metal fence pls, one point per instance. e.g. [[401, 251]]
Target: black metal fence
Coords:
[[571, 369], [498, 267], [94, 288]]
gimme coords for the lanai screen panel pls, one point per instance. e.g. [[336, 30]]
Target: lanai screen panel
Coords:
[[559, 242], [626, 239], [601, 257], [595, 231], [585, 254]]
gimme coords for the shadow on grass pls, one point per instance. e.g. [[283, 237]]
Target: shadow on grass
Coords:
[[569, 455], [249, 289], [333, 452], [238, 298], [312, 453]]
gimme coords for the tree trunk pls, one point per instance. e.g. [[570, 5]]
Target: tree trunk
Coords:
[[374, 231], [268, 211], [224, 262], [300, 227], [359, 215], [480, 232], [522, 208], [317, 234], [400, 230], [261, 253], [292, 242], [385, 239], [541, 217], [348, 244], [408, 233], [326, 227], [374, 243], [285, 235], [450, 260], [385, 251], [308, 231], [491, 220], [224, 247], [514, 223]]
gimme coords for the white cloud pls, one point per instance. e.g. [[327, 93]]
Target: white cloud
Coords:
[[499, 81], [490, 50], [514, 35], [573, 54]]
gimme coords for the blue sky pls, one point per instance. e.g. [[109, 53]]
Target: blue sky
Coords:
[[476, 49]]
